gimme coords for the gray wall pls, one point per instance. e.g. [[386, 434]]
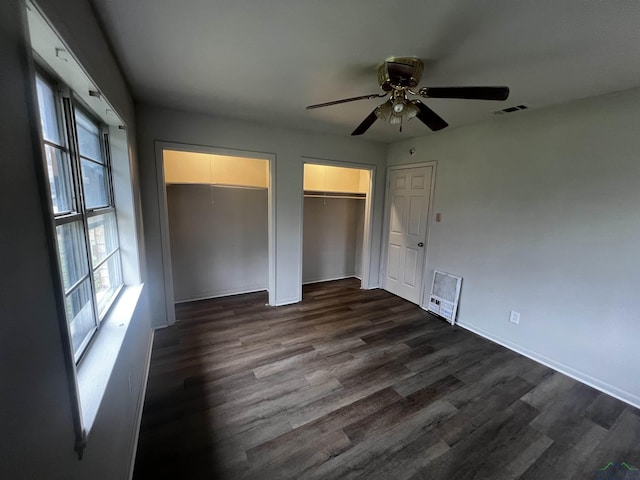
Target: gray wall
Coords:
[[332, 230], [219, 240], [540, 214], [37, 430], [289, 146]]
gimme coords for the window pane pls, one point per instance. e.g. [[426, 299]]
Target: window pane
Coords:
[[73, 254], [103, 236], [48, 114], [94, 178], [80, 317], [107, 278], [58, 169], [88, 137]]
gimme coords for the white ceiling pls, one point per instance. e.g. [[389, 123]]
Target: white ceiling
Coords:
[[265, 60]]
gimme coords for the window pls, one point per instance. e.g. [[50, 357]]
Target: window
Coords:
[[77, 160]]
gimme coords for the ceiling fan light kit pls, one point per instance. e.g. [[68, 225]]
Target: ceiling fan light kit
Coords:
[[397, 110], [397, 76]]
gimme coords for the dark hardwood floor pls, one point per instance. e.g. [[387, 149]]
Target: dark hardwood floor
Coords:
[[362, 384]]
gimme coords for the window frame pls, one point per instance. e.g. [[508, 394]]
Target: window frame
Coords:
[[66, 103]]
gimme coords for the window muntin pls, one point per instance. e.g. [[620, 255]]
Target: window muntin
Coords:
[[48, 112], [92, 160], [72, 254], [77, 165], [88, 137], [108, 279], [94, 181], [81, 318], [105, 258], [60, 186], [102, 237]]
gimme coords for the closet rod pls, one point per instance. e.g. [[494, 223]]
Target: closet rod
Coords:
[[334, 195]]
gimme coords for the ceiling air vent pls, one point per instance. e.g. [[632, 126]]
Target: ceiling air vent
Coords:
[[510, 109]]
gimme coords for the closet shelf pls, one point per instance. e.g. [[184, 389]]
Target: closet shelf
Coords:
[[219, 185], [348, 195]]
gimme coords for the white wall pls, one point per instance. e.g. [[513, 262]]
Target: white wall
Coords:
[[360, 238], [219, 240], [332, 228], [540, 214], [289, 145], [37, 431]]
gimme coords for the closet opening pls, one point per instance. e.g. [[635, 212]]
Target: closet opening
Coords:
[[218, 224], [336, 217]]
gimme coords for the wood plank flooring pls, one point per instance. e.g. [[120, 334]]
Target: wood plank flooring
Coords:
[[361, 384]]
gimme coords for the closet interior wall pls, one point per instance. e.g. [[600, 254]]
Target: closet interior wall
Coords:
[[333, 227], [218, 224]]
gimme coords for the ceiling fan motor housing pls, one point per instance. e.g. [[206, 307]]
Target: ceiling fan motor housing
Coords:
[[400, 72]]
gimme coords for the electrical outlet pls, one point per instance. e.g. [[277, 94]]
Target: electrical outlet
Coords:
[[515, 317]]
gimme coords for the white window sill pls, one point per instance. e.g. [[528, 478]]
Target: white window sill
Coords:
[[95, 368]]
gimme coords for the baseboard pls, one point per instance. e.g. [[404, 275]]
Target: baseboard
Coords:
[[582, 377], [227, 293], [140, 406], [321, 280]]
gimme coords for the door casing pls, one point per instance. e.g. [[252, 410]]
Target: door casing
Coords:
[[367, 236], [160, 146]]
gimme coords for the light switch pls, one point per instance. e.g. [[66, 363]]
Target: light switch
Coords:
[[438, 217]]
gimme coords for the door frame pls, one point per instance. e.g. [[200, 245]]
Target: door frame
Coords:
[[387, 220], [160, 147], [367, 234]]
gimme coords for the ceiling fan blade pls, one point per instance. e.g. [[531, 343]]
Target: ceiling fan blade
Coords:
[[345, 100], [471, 93], [430, 118], [366, 123]]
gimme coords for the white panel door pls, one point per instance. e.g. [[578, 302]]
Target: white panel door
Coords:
[[409, 194]]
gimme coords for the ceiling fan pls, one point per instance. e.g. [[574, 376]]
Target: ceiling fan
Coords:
[[397, 77]]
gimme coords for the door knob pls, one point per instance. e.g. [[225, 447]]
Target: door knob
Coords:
[[421, 244]]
